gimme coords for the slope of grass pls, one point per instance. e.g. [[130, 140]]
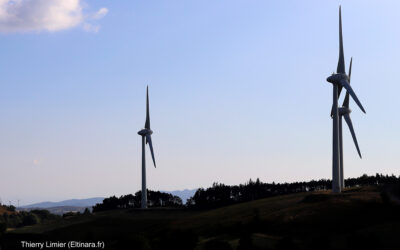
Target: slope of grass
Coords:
[[319, 220]]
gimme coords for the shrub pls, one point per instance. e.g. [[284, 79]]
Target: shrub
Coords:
[[14, 221], [30, 219]]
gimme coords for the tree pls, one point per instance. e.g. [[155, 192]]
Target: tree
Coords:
[[10, 208], [87, 211]]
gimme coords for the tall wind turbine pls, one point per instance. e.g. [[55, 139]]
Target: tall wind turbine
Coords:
[[339, 80], [345, 111], [146, 135]]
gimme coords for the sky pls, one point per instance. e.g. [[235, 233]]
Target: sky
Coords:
[[237, 90]]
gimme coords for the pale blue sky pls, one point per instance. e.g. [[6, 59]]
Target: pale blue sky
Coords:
[[237, 90]]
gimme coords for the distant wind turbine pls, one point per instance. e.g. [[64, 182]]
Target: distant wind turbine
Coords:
[[339, 80], [146, 135]]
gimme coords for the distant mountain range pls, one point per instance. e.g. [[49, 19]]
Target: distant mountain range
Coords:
[[80, 204], [70, 203], [183, 194]]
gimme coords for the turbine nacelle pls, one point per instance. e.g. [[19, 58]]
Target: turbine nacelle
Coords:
[[145, 132], [337, 78], [344, 111], [343, 81]]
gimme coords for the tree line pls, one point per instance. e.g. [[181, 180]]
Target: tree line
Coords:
[[221, 195], [154, 199]]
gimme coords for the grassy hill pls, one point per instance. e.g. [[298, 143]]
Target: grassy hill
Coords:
[[318, 220], [3, 210]]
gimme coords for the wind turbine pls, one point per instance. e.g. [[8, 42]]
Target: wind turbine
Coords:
[[146, 135], [339, 80], [345, 111]]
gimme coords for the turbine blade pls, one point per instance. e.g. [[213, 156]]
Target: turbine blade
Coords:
[[346, 100], [339, 91], [147, 124], [350, 125], [148, 139], [351, 63], [349, 89], [347, 97], [340, 67]]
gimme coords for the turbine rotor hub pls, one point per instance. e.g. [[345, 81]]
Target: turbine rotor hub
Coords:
[[145, 132], [344, 111]]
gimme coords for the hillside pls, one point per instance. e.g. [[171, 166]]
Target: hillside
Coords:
[[4, 210], [317, 220]]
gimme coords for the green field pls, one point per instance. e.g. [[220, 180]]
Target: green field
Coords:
[[354, 219]]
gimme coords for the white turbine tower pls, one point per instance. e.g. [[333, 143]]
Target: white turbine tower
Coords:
[[344, 112], [146, 135], [339, 80]]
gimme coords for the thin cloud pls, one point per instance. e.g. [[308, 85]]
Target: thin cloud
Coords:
[[101, 13], [91, 27], [45, 15], [98, 15]]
